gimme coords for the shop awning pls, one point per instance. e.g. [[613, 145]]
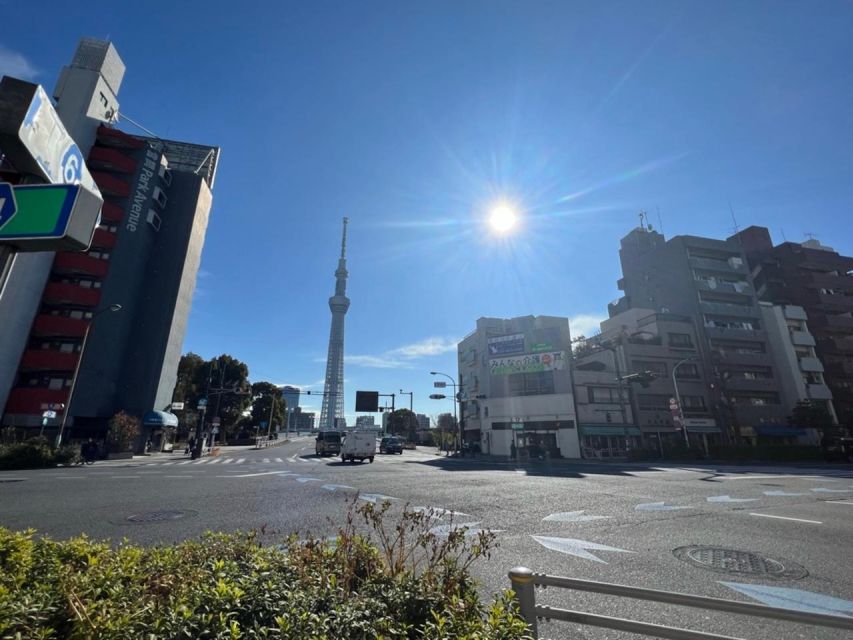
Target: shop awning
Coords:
[[160, 419], [609, 430], [779, 431]]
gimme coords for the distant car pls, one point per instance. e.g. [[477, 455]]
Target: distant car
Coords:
[[391, 444]]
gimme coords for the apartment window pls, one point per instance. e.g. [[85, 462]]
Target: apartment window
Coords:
[[716, 322], [658, 368], [755, 399], [680, 340], [56, 383], [604, 395], [154, 220], [652, 402], [165, 175], [687, 371], [531, 384], [160, 197], [693, 403], [744, 347]]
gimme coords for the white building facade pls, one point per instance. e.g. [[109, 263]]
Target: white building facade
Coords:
[[516, 387]]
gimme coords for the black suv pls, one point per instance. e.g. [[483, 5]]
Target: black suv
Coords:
[[390, 444]]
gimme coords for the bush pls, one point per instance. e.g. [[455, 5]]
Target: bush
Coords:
[[767, 453], [398, 581], [123, 430], [30, 454]]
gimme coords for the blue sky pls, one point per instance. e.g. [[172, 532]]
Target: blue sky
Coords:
[[413, 118]]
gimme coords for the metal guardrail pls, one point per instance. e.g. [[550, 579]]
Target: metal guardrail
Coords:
[[524, 582]]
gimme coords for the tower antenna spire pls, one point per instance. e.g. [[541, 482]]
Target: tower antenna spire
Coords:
[[332, 412], [344, 239]]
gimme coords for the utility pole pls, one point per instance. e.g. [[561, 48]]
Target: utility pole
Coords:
[[411, 395]]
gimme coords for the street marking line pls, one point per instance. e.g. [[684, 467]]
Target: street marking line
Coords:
[[202, 461], [266, 460], [579, 548], [124, 477], [279, 460], [767, 515], [849, 504], [659, 506], [185, 462], [166, 464], [214, 460], [825, 490], [240, 461], [227, 460], [263, 473], [572, 516], [728, 498], [180, 476]]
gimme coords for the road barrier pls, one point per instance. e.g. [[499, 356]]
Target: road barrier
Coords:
[[524, 583]]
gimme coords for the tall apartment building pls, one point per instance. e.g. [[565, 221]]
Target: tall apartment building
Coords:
[[820, 280], [641, 341], [516, 387], [144, 257], [709, 281]]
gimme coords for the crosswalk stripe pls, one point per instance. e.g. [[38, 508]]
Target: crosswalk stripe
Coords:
[[166, 464], [185, 462], [240, 461], [202, 461], [214, 460], [279, 460], [227, 460], [266, 460]]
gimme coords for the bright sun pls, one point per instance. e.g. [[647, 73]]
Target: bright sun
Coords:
[[503, 218]]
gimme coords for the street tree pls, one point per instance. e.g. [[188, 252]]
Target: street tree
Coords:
[[445, 425], [811, 415], [403, 423], [266, 396]]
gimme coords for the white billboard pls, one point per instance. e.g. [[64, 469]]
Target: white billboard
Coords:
[[529, 363]]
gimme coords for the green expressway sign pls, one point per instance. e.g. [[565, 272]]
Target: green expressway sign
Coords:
[[48, 217]]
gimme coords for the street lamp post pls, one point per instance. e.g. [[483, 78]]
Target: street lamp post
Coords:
[[411, 395], [678, 397], [611, 347], [456, 400], [112, 307]]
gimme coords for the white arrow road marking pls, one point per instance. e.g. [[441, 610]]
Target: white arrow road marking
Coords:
[[252, 475], [437, 512], [375, 497], [849, 504], [335, 487], [572, 516], [825, 490], [579, 548], [729, 499], [304, 479], [783, 493], [658, 506], [794, 599]]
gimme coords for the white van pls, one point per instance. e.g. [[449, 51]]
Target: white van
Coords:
[[358, 445]]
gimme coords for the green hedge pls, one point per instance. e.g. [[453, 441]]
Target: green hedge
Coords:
[[767, 453], [36, 454], [230, 586]]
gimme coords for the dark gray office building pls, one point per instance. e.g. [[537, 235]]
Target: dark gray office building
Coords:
[[709, 281]]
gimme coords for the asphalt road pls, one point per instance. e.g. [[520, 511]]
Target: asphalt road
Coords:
[[614, 523]]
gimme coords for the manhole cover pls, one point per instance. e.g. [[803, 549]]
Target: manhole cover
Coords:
[[160, 516], [734, 561]]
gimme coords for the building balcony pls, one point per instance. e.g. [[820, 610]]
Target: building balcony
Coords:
[[835, 323], [46, 325], [103, 239], [793, 312], [835, 302], [811, 365], [30, 400], [802, 339], [62, 293], [48, 360], [107, 159], [722, 309], [111, 185], [747, 384], [111, 212], [733, 357], [72, 262], [819, 392], [719, 266], [721, 333], [724, 287], [828, 281]]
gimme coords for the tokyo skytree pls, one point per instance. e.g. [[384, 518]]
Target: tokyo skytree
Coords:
[[332, 414]]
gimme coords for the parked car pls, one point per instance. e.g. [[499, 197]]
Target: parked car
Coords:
[[391, 444], [328, 443], [358, 445]]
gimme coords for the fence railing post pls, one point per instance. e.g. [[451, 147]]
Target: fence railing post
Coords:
[[525, 591]]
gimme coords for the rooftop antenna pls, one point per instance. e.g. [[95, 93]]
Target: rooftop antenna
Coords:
[[782, 230], [660, 221], [809, 235], [344, 239], [734, 221]]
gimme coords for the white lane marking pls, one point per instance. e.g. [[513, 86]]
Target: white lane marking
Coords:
[[201, 461], [185, 462], [825, 490], [166, 464], [658, 506], [303, 480], [783, 493], [263, 473], [227, 460], [794, 599], [437, 512], [729, 499], [767, 515], [335, 487], [124, 477], [375, 497], [579, 548], [849, 504], [214, 460], [240, 461], [572, 516], [768, 477], [279, 460], [180, 476]]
